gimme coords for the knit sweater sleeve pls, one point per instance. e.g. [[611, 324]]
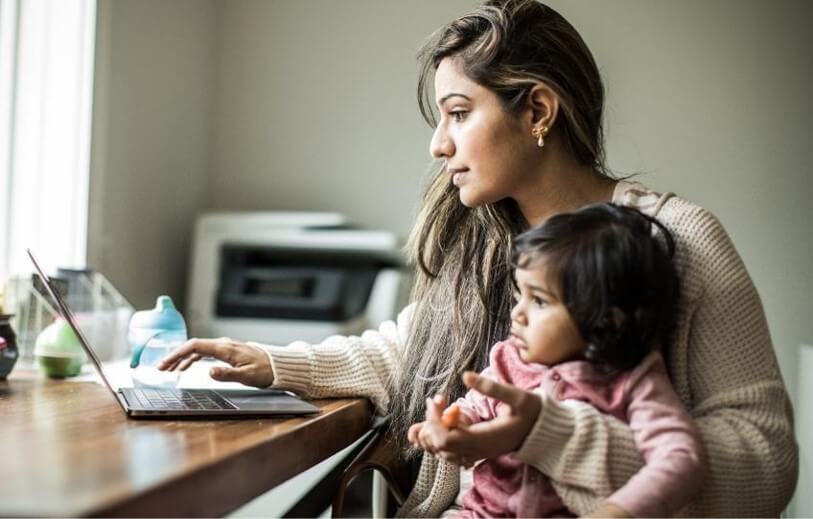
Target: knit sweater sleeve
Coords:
[[343, 366], [668, 440], [724, 369]]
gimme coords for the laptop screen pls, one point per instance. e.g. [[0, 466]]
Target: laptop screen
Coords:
[[68, 316]]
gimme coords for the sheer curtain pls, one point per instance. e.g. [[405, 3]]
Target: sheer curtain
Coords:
[[46, 83]]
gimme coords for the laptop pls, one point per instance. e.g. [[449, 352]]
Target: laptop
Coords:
[[171, 403]]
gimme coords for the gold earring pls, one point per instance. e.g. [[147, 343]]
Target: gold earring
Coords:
[[539, 133]]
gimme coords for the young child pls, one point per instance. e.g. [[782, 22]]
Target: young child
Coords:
[[597, 293]]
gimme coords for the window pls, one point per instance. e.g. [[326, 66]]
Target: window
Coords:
[[46, 79]]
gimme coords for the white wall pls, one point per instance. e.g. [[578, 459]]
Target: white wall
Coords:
[[263, 104]]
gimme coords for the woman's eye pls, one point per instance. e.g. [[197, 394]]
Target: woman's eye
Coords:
[[538, 301], [459, 115]]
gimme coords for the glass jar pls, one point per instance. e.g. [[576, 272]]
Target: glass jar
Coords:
[[8, 346]]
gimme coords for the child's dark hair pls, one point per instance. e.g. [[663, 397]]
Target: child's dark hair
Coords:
[[614, 276]]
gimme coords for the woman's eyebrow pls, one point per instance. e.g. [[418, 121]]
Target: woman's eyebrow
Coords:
[[449, 96]]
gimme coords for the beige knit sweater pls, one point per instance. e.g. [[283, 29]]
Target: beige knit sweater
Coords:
[[721, 363]]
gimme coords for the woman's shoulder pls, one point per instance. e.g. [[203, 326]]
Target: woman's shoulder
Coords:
[[703, 247], [689, 222]]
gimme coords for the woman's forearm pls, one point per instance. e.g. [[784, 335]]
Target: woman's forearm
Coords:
[[750, 447], [341, 366]]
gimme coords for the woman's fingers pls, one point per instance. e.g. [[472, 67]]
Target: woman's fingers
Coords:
[[227, 374], [501, 435], [461, 448], [217, 348], [200, 347], [252, 372], [184, 364], [248, 364]]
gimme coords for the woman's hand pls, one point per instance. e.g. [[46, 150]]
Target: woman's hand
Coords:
[[465, 445], [249, 365]]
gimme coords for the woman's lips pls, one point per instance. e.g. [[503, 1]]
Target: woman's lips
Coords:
[[457, 175]]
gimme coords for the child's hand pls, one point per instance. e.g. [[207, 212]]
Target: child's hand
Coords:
[[451, 416], [423, 439], [413, 435], [440, 420], [450, 419], [424, 436], [467, 443]]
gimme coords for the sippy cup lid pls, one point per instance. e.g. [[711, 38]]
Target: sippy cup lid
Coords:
[[163, 317]]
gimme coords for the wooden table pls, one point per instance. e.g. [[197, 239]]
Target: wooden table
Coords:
[[68, 450]]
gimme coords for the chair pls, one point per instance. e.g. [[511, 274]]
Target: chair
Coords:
[[375, 451], [382, 456]]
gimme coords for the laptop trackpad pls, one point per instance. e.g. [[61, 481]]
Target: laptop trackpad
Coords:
[[267, 399]]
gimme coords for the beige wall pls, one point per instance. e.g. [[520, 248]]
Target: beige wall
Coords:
[[153, 106], [709, 99], [316, 110], [271, 104], [316, 106]]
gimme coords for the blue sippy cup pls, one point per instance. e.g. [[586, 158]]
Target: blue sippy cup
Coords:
[[152, 335]]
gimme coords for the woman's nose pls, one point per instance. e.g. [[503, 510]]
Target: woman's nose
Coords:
[[441, 147]]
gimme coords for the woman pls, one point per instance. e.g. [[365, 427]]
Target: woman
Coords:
[[520, 137]]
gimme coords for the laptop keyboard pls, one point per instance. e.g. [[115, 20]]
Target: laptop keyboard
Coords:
[[180, 399]]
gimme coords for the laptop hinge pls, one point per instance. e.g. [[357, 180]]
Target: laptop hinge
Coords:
[[121, 398]]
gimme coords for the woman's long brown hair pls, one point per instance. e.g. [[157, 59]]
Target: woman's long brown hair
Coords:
[[463, 289]]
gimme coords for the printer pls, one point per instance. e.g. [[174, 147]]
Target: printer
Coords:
[[277, 277]]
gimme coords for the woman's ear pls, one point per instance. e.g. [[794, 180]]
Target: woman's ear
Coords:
[[543, 106]]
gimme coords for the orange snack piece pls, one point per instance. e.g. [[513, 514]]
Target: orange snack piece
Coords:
[[451, 417]]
